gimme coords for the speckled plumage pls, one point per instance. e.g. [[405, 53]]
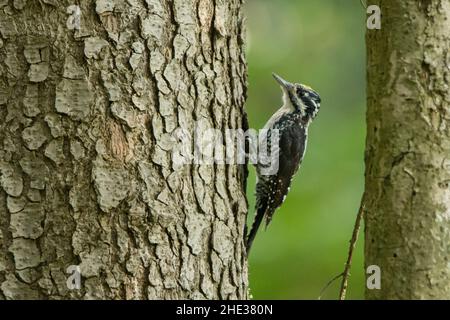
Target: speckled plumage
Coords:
[[292, 120]]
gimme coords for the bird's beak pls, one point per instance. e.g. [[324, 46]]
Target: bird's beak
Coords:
[[284, 84]]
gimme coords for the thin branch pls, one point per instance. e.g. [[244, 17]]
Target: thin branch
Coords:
[[346, 273], [329, 284]]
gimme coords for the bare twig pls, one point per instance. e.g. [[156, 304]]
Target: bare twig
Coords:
[[348, 264], [329, 284]]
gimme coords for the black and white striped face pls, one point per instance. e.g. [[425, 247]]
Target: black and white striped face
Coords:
[[300, 98], [309, 98]]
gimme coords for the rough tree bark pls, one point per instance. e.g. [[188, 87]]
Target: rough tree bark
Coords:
[[408, 150], [85, 157]]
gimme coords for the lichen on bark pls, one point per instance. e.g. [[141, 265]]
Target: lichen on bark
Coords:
[[408, 150]]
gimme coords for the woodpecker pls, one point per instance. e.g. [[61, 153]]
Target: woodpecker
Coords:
[[300, 106]]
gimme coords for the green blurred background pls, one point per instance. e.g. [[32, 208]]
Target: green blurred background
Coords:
[[319, 43]]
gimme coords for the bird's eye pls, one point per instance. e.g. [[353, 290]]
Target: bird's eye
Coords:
[[300, 92]]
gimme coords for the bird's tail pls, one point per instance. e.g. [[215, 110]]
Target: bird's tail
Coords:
[[254, 230]]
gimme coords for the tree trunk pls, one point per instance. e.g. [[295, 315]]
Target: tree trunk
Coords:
[[408, 150], [87, 178]]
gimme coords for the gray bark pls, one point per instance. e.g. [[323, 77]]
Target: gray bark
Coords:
[[408, 150], [86, 173]]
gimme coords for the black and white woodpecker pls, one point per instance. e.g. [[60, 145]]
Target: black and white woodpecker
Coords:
[[300, 106]]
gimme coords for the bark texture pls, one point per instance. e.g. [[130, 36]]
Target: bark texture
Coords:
[[86, 118], [408, 150]]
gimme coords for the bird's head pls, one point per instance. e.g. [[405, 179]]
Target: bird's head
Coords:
[[300, 98]]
